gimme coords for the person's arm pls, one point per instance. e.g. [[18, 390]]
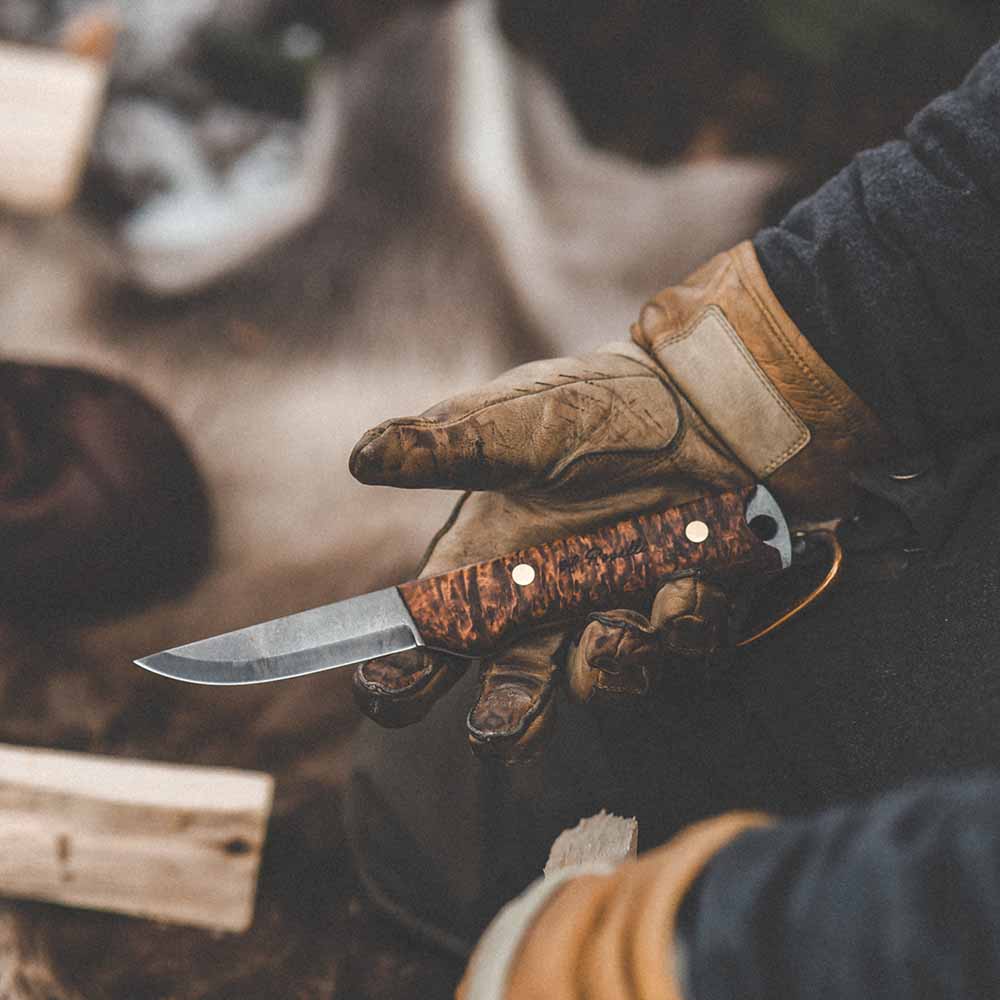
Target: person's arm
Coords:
[[898, 899], [892, 269]]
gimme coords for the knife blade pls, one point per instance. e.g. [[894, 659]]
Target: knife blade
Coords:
[[475, 609]]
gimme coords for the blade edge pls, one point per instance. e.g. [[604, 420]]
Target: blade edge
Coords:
[[330, 656]]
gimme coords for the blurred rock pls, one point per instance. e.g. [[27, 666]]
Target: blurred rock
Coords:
[[101, 507]]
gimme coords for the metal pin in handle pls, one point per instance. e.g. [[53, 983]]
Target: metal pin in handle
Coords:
[[696, 531]]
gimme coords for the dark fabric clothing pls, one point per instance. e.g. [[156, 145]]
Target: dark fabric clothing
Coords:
[[898, 899], [892, 269]]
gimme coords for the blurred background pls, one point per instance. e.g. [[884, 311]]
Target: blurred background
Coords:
[[234, 235]]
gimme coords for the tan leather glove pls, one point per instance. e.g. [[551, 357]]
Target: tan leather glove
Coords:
[[718, 389], [599, 936]]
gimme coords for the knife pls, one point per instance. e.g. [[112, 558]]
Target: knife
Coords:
[[472, 610]]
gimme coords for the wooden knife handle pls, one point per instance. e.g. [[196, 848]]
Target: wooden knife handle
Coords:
[[472, 610]]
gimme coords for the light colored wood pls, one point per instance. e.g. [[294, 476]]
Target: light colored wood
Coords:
[[604, 838], [49, 105], [170, 842]]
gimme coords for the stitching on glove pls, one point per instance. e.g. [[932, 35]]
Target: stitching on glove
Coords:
[[829, 393], [520, 394], [754, 367]]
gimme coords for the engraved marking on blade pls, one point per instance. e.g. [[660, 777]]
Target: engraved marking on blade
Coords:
[[523, 574], [696, 531]]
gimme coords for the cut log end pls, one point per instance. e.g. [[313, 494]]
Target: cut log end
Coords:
[[604, 838]]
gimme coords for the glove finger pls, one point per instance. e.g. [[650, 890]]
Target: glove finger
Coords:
[[621, 652], [616, 654], [515, 711], [401, 689], [692, 617], [616, 640], [528, 427]]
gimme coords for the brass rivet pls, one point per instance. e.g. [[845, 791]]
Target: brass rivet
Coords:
[[696, 531], [523, 574]]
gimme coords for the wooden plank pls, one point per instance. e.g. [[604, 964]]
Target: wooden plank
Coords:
[[170, 842], [50, 101]]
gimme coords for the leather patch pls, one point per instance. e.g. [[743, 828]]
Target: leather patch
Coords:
[[722, 381]]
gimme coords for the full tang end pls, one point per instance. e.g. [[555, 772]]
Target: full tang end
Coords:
[[767, 521]]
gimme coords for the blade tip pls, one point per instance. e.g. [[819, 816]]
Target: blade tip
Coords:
[[166, 664], [149, 663]]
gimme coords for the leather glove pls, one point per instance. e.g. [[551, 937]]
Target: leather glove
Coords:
[[600, 935], [718, 389]]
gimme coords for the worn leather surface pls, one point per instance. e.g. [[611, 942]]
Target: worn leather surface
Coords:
[[712, 367], [558, 446], [607, 937], [812, 481], [618, 650], [544, 451]]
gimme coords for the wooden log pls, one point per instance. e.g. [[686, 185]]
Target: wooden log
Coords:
[[50, 101], [176, 843]]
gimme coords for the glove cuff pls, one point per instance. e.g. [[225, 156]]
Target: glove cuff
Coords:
[[728, 344]]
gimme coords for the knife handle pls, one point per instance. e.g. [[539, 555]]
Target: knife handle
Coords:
[[474, 609]]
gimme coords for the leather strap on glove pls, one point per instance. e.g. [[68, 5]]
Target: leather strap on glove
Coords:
[[731, 348], [601, 937], [719, 389]]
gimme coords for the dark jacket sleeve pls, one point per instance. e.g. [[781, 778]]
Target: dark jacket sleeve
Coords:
[[898, 900], [892, 269]]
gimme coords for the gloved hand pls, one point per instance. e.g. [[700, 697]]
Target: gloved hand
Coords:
[[603, 935], [718, 389]]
